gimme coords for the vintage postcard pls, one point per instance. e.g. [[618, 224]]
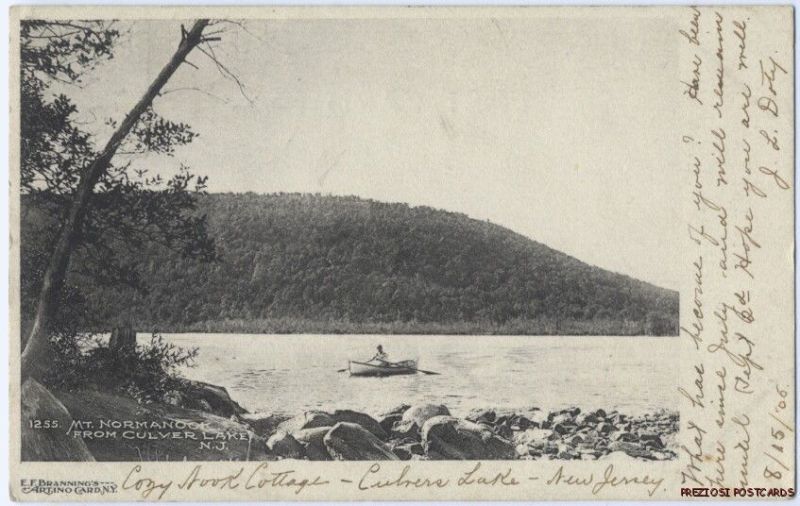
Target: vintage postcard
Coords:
[[402, 253]]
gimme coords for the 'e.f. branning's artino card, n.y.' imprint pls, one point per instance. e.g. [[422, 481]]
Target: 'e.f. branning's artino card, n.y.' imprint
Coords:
[[363, 253]]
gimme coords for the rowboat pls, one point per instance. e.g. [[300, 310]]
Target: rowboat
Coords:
[[376, 368]]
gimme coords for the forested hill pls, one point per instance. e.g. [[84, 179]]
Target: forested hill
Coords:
[[311, 263]]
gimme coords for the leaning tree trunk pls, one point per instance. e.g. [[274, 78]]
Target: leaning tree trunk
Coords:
[[37, 348]]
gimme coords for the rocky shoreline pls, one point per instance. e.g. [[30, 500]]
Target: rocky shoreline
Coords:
[[429, 432], [220, 429]]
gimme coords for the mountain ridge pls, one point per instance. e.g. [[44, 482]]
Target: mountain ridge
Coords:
[[297, 262]]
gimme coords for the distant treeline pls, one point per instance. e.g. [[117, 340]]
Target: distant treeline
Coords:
[[302, 263]]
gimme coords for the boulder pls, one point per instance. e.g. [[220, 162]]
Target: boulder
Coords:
[[622, 436], [416, 416], [48, 444], [550, 448], [313, 442], [402, 453], [397, 410], [209, 398], [262, 424], [605, 428], [349, 441], [388, 421], [567, 453], [575, 440], [564, 428], [285, 445], [483, 416], [519, 422], [632, 449], [94, 406], [307, 420], [651, 441], [503, 431], [560, 418], [448, 438], [361, 419], [407, 451]]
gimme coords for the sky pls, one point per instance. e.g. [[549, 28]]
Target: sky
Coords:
[[554, 127]]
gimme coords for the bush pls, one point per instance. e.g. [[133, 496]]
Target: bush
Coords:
[[148, 373]]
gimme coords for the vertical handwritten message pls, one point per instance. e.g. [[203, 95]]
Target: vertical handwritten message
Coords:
[[737, 316]]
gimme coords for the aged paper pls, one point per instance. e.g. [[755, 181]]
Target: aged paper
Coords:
[[388, 253]]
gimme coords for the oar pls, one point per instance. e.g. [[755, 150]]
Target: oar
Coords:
[[420, 370], [415, 369]]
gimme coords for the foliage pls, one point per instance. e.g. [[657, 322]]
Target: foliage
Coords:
[[130, 207], [128, 210], [310, 263], [148, 374]]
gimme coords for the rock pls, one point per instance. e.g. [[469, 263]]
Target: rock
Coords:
[[416, 416], [95, 406], [485, 417], [362, 419], [567, 453], [313, 442], [519, 422], [651, 441], [407, 451], [622, 436], [574, 440], [402, 453], [663, 455], [532, 435], [397, 410], [503, 431], [562, 418], [48, 444], [262, 424], [173, 398], [564, 428], [550, 448], [307, 420], [448, 438], [600, 414], [349, 441], [605, 428], [537, 417], [388, 422], [632, 449], [209, 398], [285, 445]]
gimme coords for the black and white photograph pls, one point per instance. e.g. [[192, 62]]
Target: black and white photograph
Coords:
[[366, 253], [343, 239]]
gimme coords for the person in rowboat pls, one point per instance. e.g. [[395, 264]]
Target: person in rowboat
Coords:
[[381, 356]]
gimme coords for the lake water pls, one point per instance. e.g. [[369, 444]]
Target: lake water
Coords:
[[291, 373]]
